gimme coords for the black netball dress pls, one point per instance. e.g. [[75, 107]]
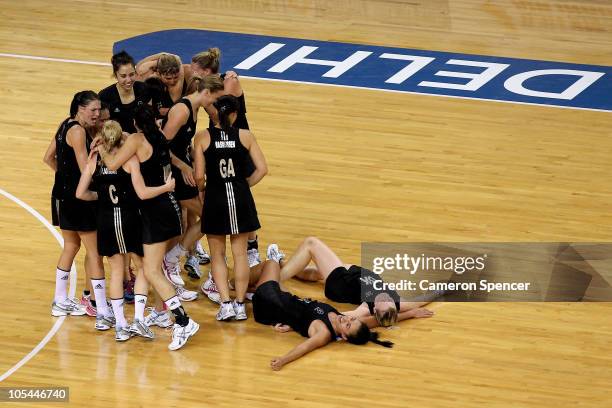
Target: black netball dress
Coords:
[[161, 215], [124, 113], [68, 212], [228, 203], [119, 225], [180, 146], [271, 305]]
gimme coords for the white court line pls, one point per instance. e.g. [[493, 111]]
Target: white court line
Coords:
[[33, 57], [73, 278]]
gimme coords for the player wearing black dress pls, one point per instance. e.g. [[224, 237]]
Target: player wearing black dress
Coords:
[[160, 215], [119, 226], [126, 94], [221, 153], [346, 283], [207, 63], [318, 321], [67, 156]]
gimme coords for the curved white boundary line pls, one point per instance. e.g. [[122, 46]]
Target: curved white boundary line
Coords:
[[73, 277]]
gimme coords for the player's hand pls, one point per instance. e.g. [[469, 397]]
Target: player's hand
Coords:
[[170, 183], [282, 328], [276, 363], [93, 155], [230, 75], [188, 176], [97, 141], [422, 312]]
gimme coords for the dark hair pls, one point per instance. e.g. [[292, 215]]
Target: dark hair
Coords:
[[82, 98], [104, 106], [121, 58], [144, 116], [364, 335], [155, 87], [226, 105]]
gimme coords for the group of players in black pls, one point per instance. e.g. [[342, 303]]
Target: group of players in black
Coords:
[[136, 183]]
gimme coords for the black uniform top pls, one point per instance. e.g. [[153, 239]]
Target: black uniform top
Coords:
[[68, 172], [165, 100], [180, 145], [307, 311], [363, 288], [241, 121], [157, 167], [226, 151], [114, 188], [124, 113]]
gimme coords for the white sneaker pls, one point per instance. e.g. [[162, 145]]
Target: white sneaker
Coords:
[[226, 312], [173, 273], [192, 266], [210, 289], [67, 307], [201, 254], [253, 257], [274, 253], [185, 295], [104, 322], [240, 310], [139, 328], [181, 334], [122, 333], [159, 319]]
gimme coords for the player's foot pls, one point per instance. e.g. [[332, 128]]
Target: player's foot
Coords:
[[67, 307], [180, 334], [274, 253], [192, 266]]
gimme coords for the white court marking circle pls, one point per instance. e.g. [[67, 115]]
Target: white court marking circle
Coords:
[[73, 278]]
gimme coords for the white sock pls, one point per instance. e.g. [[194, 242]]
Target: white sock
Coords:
[[140, 301], [99, 288], [172, 257], [173, 303], [199, 247], [61, 285], [118, 311]]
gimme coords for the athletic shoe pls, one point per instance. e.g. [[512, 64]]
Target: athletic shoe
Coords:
[[210, 289], [226, 312], [159, 319], [240, 311], [185, 295], [253, 257], [192, 266], [90, 310], [202, 255], [139, 328], [180, 334], [67, 307], [274, 253], [104, 322], [122, 333], [173, 273]]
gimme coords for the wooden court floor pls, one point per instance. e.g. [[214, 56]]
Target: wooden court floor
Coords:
[[348, 166]]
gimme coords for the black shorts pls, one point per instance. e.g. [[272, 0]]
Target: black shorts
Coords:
[[343, 285], [182, 191], [271, 305], [161, 219], [73, 214], [119, 231]]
